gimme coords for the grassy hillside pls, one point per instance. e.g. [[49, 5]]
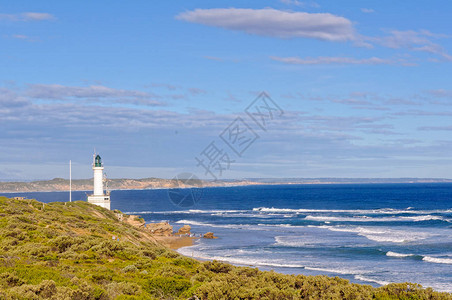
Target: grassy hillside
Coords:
[[66, 251]]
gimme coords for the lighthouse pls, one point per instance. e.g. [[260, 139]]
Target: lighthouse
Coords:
[[99, 197]]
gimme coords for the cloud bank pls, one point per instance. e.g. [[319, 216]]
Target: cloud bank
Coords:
[[274, 23], [321, 26]]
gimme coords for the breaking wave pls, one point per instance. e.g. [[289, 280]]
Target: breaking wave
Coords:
[[438, 260], [371, 219], [409, 210], [395, 254], [381, 234], [364, 278]]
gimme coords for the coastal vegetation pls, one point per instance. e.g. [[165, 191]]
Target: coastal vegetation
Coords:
[[81, 251]]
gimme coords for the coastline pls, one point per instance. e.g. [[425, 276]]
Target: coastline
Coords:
[[111, 252], [85, 185]]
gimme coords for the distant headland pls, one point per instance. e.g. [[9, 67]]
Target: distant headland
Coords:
[[60, 184]]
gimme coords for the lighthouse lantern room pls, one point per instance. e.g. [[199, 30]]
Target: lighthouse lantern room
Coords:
[[99, 197]]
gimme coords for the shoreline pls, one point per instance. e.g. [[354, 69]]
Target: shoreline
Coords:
[[226, 185], [134, 258], [176, 242]]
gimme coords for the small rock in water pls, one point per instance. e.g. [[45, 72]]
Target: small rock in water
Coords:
[[209, 235], [184, 229]]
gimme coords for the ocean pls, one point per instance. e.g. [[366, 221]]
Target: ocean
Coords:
[[367, 233]]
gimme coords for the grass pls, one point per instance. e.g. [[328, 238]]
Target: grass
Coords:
[[66, 251]]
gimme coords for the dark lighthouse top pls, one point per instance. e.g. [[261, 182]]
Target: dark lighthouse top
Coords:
[[98, 161]]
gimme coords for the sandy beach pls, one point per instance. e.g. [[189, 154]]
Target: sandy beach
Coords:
[[176, 242]]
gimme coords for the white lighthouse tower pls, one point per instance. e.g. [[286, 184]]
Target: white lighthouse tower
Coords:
[[99, 197]]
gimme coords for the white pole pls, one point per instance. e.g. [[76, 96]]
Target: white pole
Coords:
[[70, 181]]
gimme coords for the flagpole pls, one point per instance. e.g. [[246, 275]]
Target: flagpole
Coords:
[[70, 181]]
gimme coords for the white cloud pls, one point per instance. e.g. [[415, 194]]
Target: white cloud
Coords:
[[56, 91], [27, 16], [34, 16], [367, 10], [441, 93], [23, 37], [324, 26], [275, 23], [412, 40], [300, 3], [93, 92], [214, 58], [334, 60], [20, 36], [435, 128]]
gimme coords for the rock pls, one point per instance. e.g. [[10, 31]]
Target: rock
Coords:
[[133, 220], [184, 229], [209, 235], [163, 228]]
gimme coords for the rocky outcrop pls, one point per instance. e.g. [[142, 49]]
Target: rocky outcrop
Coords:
[[209, 235], [184, 229], [163, 228], [134, 220]]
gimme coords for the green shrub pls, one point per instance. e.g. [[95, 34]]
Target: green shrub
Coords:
[[108, 248], [10, 280], [217, 267], [130, 269], [115, 289], [184, 262], [167, 287], [63, 243], [170, 271], [45, 290]]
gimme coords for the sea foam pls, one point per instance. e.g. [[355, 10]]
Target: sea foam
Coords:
[[395, 254], [364, 278], [381, 234], [438, 260], [373, 219]]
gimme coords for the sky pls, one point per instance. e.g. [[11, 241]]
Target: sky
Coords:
[[226, 89]]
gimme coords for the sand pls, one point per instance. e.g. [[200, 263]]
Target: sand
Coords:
[[176, 242]]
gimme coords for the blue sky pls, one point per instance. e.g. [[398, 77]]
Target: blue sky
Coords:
[[364, 86]]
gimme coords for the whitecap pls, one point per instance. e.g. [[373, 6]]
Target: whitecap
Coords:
[[363, 278], [248, 261], [371, 219], [381, 234], [335, 271], [353, 211], [395, 254], [437, 260]]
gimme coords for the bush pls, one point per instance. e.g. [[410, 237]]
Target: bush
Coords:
[[167, 287], [108, 248], [130, 269], [45, 290], [63, 243], [217, 267], [184, 262], [171, 271], [10, 280]]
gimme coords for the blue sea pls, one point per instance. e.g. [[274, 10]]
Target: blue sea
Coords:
[[368, 233]]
